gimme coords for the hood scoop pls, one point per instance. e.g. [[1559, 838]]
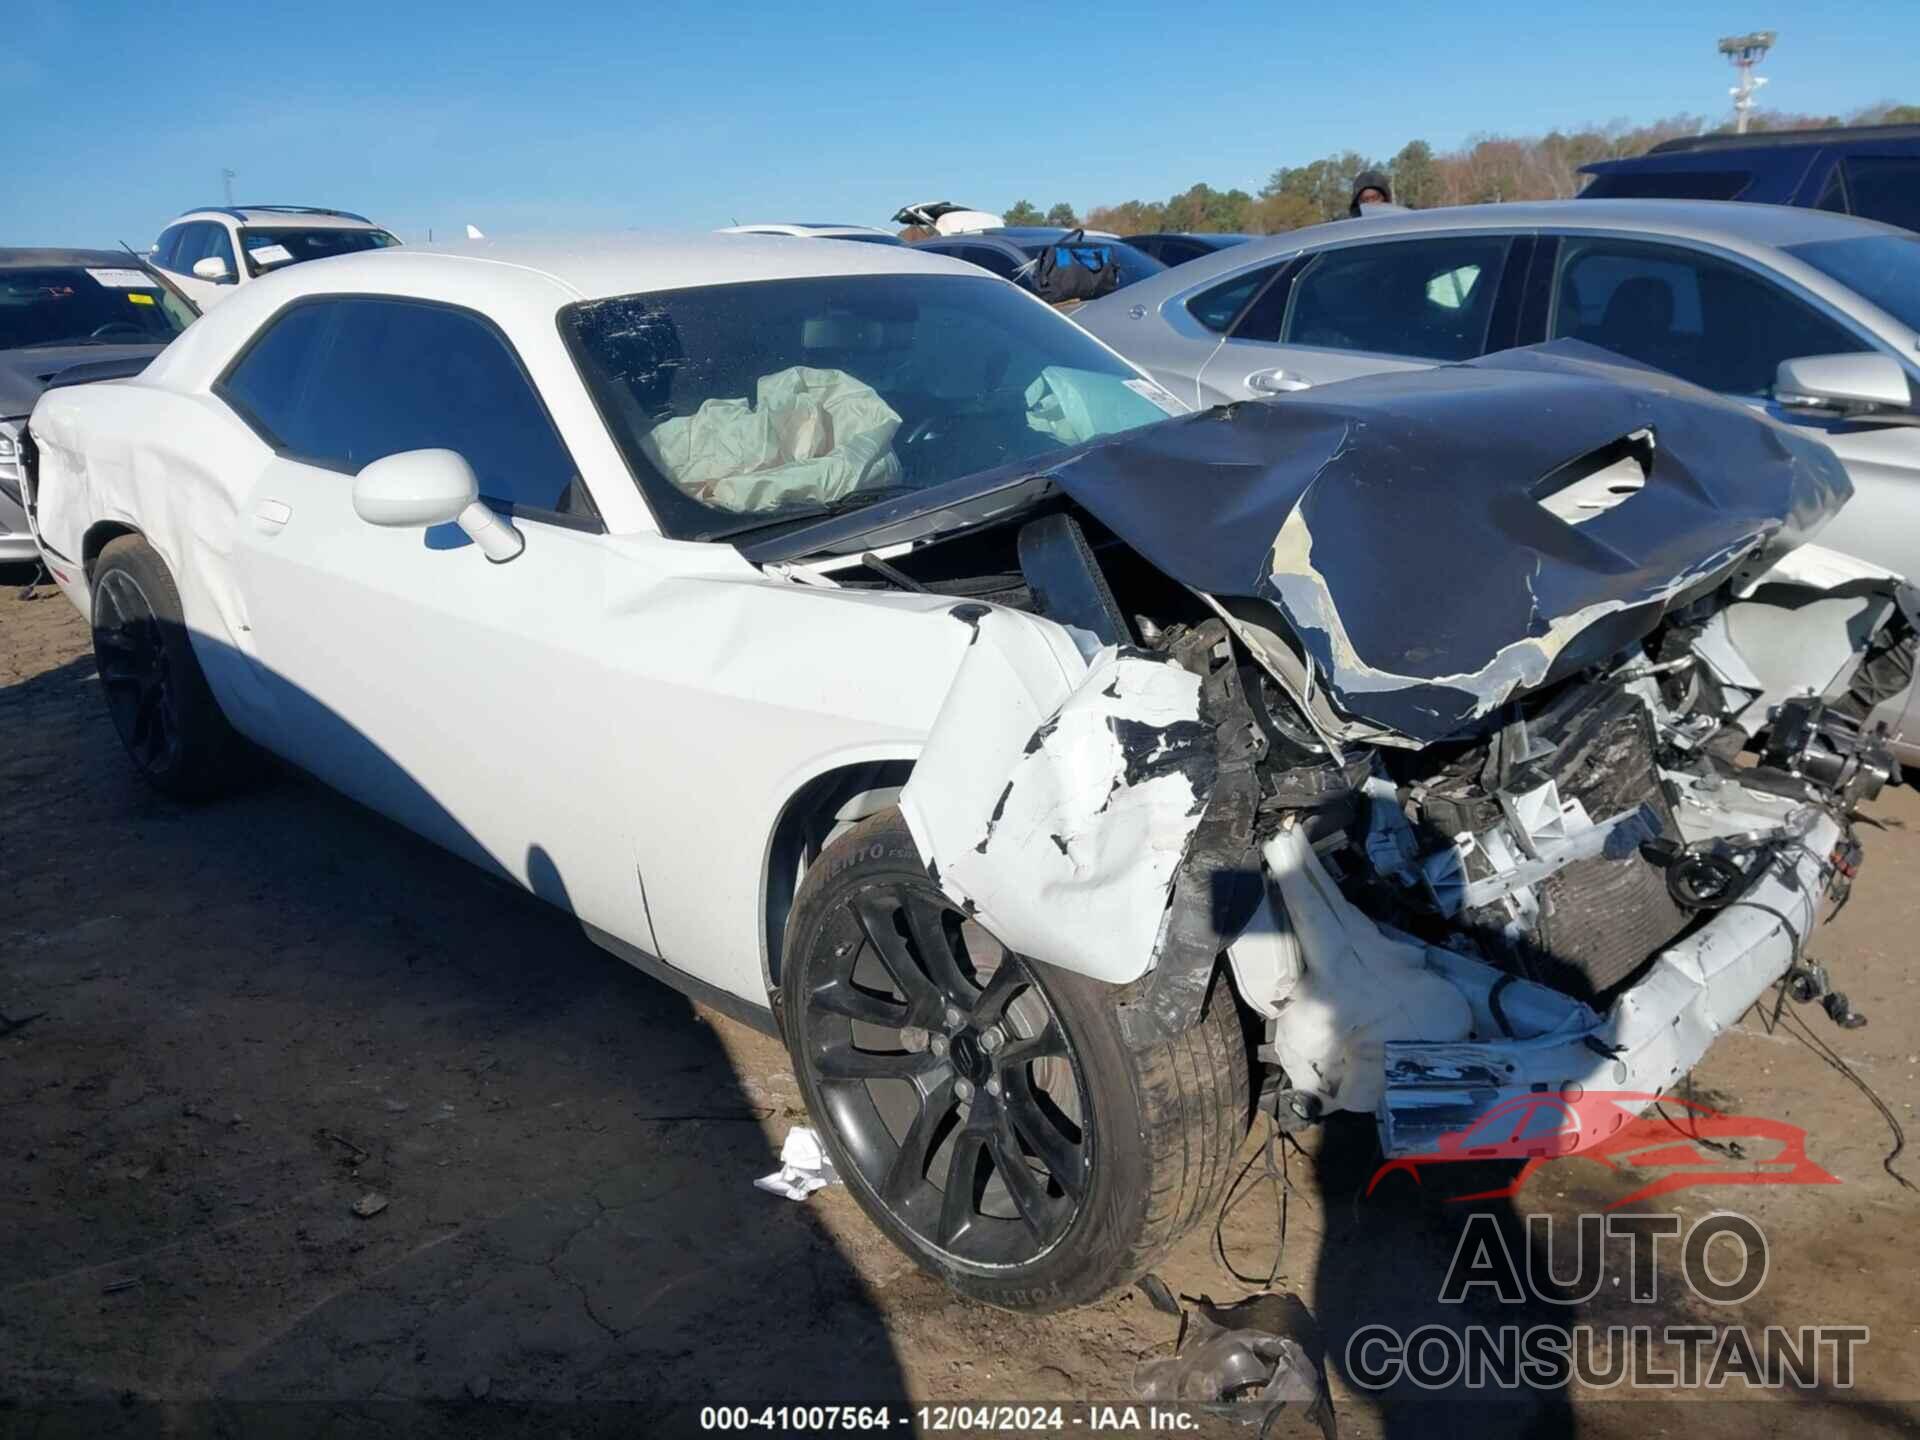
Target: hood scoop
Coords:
[[1598, 482]]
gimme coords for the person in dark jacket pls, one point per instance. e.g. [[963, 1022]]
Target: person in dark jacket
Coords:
[[1370, 187]]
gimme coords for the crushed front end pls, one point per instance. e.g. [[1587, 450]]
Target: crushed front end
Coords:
[[1508, 739]]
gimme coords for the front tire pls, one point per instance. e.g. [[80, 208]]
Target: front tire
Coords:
[[982, 1106], [167, 718]]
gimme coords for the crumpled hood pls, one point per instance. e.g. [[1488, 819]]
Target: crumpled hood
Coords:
[[25, 373], [1396, 522]]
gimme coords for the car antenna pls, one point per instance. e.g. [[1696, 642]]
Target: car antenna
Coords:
[[148, 267]]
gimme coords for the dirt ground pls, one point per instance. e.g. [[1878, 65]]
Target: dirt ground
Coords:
[[244, 1018]]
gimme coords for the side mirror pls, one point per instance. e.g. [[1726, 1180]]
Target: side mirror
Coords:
[[432, 487], [212, 267], [1860, 384]]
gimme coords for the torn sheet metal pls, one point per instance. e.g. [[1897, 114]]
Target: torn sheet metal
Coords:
[[1348, 508], [1057, 809]]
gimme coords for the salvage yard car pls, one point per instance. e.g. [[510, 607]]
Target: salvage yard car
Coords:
[[850, 641], [60, 309], [208, 252]]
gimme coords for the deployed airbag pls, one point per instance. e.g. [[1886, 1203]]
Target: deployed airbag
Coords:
[[809, 435]]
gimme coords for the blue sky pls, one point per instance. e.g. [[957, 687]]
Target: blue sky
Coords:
[[669, 115]]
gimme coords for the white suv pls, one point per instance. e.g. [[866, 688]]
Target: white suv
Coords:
[[200, 250]]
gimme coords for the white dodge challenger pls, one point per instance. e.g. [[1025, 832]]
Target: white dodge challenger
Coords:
[[847, 639]]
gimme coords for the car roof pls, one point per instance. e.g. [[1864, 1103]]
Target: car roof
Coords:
[[825, 228], [309, 217], [596, 266], [1042, 233], [1728, 223], [34, 259], [1843, 135]]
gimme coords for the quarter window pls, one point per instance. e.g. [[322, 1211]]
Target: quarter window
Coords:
[[1427, 298], [1706, 320], [342, 383], [1216, 307]]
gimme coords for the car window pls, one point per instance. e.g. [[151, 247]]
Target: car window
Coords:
[[1669, 185], [988, 258], [345, 382], [739, 406], [271, 247], [1694, 315], [1216, 306], [220, 245], [86, 305], [196, 240], [1885, 269], [1885, 188], [164, 247], [1427, 298]]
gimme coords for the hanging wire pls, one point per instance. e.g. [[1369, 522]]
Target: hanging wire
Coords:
[[1271, 1175]]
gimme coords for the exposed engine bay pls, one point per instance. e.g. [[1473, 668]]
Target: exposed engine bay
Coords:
[[1595, 818]]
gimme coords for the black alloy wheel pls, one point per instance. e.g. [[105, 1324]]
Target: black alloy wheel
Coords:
[[948, 1076]]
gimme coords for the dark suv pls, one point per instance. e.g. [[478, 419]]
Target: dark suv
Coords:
[[1871, 170]]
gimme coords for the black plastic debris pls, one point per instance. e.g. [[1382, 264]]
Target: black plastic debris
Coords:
[[1251, 1362]]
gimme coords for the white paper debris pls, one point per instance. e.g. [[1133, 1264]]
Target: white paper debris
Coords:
[[804, 1167]]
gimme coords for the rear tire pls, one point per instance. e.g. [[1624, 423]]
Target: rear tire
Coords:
[[990, 1059], [157, 695]]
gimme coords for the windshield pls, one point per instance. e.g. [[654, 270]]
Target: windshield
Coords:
[[740, 406], [1135, 265], [288, 245], [1882, 269], [87, 305]]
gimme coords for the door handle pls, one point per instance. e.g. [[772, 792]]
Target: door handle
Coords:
[[1277, 382], [271, 516]]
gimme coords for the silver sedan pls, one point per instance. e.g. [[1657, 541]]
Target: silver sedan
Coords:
[[1814, 318]]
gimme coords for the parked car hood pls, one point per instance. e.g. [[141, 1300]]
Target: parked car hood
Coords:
[[24, 373], [1396, 522]]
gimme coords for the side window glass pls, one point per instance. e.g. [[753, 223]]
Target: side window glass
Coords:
[[190, 247], [1427, 298], [1216, 307], [988, 258], [220, 243], [269, 384], [165, 246], [396, 375], [1885, 188], [1706, 320]]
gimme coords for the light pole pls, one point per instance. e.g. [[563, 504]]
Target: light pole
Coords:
[[226, 180], [1745, 52]]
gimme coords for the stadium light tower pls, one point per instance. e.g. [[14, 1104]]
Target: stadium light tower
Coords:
[[1746, 51]]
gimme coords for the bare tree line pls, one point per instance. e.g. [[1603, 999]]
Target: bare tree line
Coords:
[[1486, 168]]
